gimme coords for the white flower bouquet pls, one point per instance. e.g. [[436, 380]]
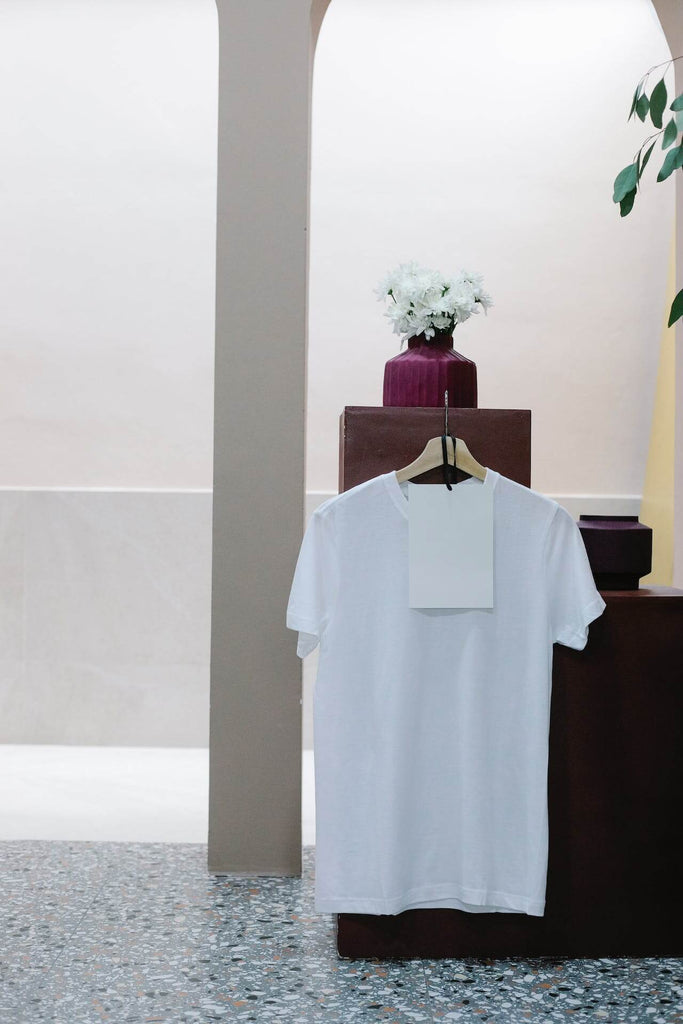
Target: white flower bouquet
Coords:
[[424, 301]]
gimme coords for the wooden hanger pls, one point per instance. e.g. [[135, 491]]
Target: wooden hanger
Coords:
[[432, 456]]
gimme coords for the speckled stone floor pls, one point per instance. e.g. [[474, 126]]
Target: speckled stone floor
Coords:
[[141, 932]]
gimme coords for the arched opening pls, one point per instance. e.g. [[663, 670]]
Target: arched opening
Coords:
[[485, 135]]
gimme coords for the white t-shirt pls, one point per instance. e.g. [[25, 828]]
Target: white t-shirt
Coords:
[[431, 726]]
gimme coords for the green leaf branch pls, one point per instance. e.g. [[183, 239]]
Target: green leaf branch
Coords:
[[627, 181]]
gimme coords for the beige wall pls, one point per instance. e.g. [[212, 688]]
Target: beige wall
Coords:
[[657, 506], [670, 13]]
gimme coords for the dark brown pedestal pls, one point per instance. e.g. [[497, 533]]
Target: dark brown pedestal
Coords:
[[615, 773], [377, 439]]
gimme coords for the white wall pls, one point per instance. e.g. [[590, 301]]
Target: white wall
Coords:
[[107, 288], [488, 134], [450, 131], [107, 259]]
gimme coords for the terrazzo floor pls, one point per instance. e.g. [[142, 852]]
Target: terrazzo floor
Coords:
[[141, 932], [108, 913]]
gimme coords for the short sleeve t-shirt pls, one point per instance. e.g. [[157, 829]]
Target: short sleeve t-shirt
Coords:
[[431, 726]]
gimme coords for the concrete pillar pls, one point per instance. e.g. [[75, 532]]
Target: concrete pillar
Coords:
[[265, 72]]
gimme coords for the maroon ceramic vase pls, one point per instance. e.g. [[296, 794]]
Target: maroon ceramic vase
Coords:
[[421, 374]]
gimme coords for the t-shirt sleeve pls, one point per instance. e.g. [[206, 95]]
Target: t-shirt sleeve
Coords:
[[573, 599], [315, 582]]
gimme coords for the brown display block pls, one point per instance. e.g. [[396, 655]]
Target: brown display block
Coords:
[[619, 549], [615, 772], [377, 439]]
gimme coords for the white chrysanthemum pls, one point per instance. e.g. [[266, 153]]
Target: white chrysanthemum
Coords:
[[400, 280], [476, 280], [397, 315], [389, 282], [424, 301], [484, 299], [462, 300], [416, 289]]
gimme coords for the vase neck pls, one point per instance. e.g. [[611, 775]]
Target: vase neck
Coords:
[[442, 341]]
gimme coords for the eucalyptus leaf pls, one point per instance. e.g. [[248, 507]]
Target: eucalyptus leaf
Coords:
[[626, 204], [625, 181], [642, 107], [677, 103], [645, 160], [672, 161], [636, 94], [670, 133], [679, 120], [676, 309], [658, 103]]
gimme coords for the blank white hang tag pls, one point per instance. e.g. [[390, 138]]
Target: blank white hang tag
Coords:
[[450, 545]]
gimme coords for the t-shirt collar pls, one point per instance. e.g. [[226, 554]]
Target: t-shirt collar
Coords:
[[401, 502]]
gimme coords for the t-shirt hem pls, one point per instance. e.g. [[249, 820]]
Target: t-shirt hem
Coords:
[[458, 898]]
